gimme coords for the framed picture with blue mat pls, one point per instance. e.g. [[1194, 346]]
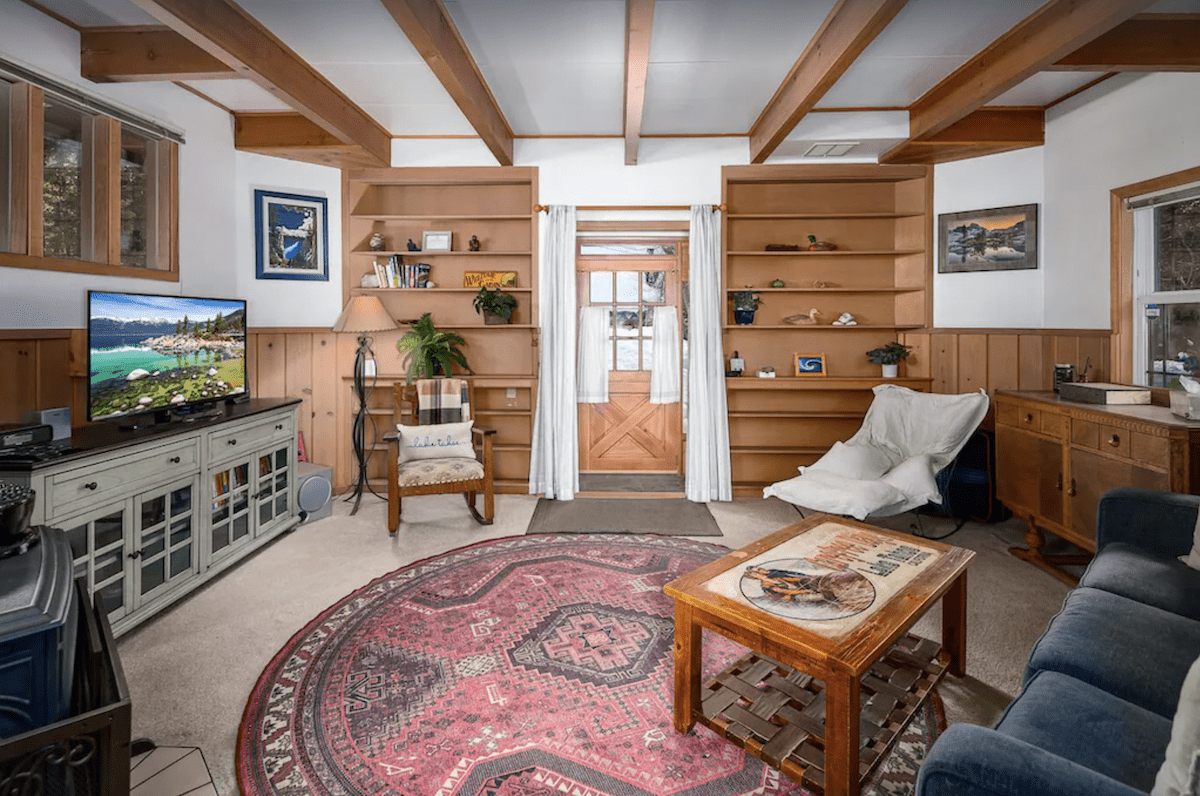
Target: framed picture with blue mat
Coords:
[[291, 236]]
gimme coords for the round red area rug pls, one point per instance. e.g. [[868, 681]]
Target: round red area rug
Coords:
[[526, 666]]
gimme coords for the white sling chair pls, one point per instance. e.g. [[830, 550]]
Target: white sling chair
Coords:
[[890, 464]]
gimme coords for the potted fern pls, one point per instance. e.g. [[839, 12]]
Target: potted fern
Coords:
[[429, 352], [495, 306], [889, 356]]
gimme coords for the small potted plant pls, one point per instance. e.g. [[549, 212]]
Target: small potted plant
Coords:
[[889, 356], [745, 302], [429, 352], [495, 306]]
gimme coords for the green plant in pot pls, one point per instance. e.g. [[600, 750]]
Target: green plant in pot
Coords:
[[745, 303], [495, 306], [889, 356], [430, 352]]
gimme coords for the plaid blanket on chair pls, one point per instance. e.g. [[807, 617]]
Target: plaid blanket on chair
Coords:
[[442, 401]]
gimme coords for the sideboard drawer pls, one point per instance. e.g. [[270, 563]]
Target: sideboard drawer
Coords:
[[1030, 418], [73, 489], [227, 442]]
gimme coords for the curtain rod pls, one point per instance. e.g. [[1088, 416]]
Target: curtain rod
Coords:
[[544, 208]]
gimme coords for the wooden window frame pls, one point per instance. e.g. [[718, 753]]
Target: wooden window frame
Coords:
[[103, 200]]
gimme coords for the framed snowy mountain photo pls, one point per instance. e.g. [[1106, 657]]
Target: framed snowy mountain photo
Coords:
[[999, 239], [291, 236]]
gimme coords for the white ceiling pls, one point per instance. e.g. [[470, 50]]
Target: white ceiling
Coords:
[[556, 67]]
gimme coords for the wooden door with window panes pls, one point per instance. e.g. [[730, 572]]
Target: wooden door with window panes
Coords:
[[630, 434]]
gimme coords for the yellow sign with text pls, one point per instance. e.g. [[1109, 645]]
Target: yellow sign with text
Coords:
[[490, 279]]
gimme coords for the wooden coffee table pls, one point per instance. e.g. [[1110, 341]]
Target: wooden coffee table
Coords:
[[832, 676]]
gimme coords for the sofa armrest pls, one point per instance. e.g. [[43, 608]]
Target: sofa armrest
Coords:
[[969, 760], [1159, 522]]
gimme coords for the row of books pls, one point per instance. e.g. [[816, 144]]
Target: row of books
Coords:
[[394, 272]]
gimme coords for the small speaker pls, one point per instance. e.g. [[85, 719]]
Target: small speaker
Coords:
[[58, 419], [314, 487]]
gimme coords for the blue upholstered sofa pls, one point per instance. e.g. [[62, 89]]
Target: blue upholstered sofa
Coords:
[[1102, 683]]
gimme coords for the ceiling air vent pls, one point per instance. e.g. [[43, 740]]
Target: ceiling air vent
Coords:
[[830, 149]]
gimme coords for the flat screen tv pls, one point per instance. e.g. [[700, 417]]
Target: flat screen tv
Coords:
[[157, 354]]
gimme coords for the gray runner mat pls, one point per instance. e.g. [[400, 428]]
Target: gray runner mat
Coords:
[[672, 517]]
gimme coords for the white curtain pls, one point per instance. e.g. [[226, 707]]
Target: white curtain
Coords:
[[593, 355], [554, 459], [708, 468], [664, 372]]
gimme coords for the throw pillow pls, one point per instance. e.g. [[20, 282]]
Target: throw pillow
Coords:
[[915, 478], [1192, 559], [436, 441], [1180, 772], [837, 494], [865, 462]]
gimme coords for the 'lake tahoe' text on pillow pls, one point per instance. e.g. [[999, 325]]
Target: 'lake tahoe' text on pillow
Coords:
[[436, 441]]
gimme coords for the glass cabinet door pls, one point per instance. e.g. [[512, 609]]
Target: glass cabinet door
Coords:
[[229, 527], [98, 550], [166, 539], [274, 486]]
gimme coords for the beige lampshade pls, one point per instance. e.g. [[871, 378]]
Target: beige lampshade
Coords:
[[364, 314]]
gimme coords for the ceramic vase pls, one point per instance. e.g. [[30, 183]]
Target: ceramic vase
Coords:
[[890, 371], [743, 317]]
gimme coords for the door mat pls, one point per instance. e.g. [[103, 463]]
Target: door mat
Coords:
[[669, 516]]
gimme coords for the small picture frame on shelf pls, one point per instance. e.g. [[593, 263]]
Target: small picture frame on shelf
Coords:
[[436, 241], [810, 365]]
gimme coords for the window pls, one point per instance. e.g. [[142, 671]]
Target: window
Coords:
[[1167, 292], [66, 181], [633, 296], [137, 198]]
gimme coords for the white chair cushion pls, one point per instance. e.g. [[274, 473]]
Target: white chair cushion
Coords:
[[837, 494], [436, 441], [853, 461], [438, 471]]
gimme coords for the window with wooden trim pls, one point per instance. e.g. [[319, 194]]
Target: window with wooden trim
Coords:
[[1166, 291], [84, 191]]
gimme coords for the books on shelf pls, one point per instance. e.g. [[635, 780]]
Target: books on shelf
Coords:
[[395, 273]]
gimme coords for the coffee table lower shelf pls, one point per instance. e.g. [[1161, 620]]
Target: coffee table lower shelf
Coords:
[[777, 713]]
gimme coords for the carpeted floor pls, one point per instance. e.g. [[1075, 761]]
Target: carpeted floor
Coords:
[[517, 666], [192, 668], [668, 516]]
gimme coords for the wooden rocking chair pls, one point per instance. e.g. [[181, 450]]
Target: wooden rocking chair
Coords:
[[439, 476]]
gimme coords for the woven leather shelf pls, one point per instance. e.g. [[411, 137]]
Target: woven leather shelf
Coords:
[[777, 713]]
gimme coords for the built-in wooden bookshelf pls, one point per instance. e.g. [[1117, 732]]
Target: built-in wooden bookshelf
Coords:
[[497, 206], [880, 272]]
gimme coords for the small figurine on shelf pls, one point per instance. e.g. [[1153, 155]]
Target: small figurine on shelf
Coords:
[[412, 247], [777, 283], [815, 245], [845, 319], [376, 242], [810, 318], [473, 244]]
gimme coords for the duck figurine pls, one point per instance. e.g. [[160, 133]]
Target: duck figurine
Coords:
[[811, 318]]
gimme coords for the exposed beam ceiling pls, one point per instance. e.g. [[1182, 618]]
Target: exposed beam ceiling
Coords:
[[845, 33], [118, 55], [984, 132], [292, 136], [227, 32], [1146, 43], [639, 20], [1053, 31], [432, 32]]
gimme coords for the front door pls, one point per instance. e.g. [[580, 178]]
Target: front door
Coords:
[[630, 434]]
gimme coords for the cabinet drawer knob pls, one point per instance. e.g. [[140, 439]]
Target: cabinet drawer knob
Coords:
[[174, 460], [1029, 417], [231, 442], [1072, 491], [92, 485], [1114, 440], [279, 426]]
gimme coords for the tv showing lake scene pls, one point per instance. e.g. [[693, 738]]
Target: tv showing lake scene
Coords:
[[148, 353]]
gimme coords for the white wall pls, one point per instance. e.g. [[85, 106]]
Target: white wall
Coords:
[[1125, 130], [990, 298]]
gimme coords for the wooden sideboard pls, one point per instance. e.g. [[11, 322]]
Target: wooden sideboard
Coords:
[[1055, 458]]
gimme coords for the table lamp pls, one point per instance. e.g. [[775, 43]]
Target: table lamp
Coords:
[[362, 314]]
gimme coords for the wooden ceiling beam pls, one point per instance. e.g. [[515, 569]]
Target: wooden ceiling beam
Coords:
[[845, 33], [639, 20], [1145, 43], [430, 29], [984, 132], [227, 32], [292, 136], [121, 55], [911, 153], [1050, 33]]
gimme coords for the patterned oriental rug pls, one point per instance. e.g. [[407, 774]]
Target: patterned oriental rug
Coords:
[[525, 666]]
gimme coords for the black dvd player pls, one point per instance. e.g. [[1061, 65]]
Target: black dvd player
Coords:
[[16, 436]]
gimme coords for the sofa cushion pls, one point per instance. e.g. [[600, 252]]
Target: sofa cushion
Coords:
[[1136, 652], [1088, 726], [1133, 572]]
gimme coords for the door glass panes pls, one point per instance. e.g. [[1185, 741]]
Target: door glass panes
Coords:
[[6, 190], [654, 287], [66, 178], [137, 160], [154, 511], [627, 249], [602, 287], [113, 597], [627, 286], [78, 536], [110, 529], [273, 494], [628, 330], [230, 507], [166, 533], [154, 575], [153, 543]]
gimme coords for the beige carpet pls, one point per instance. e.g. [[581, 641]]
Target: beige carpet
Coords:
[[191, 668]]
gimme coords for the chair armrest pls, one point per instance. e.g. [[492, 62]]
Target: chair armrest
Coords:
[[483, 431], [969, 760], [393, 438], [1159, 522]]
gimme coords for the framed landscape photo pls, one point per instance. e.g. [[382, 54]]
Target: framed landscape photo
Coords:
[[438, 241], [810, 365], [999, 239], [291, 236]]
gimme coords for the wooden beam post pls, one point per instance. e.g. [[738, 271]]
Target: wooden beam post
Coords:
[[290, 135], [230, 34], [109, 55], [639, 20], [1146, 43], [987, 131], [845, 33], [430, 29]]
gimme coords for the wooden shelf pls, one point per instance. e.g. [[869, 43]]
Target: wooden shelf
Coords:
[[835, 253], [766, 414], [825, 327], [502, 412], [480, 379], [887, 289], [443, 217], [455, 253], [358, 291], [819, 383], [816, 216]]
